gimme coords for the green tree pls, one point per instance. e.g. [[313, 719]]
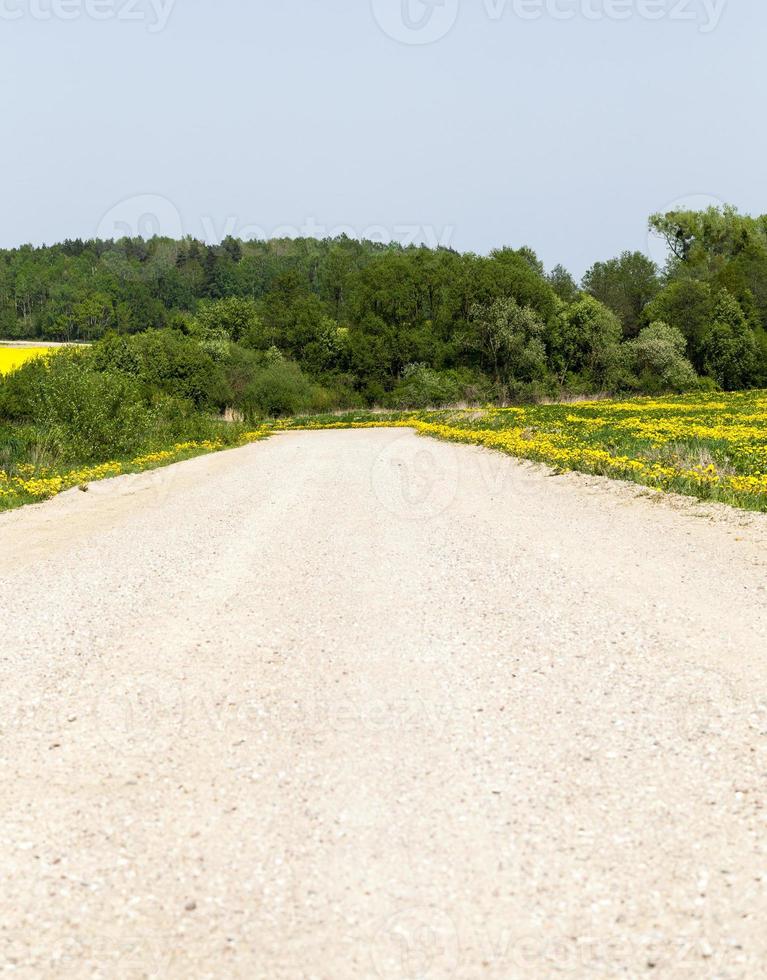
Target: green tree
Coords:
[[168, 362], [729, 349], [92, 316], [585, 340], [510, 339], [563, 284], [422, 387], [237, 316], [626, 285], [658, 358], [687, 305]]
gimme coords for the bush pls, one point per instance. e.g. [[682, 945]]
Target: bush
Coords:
[[13, 447], [422, 387], [530, 392], [233, 317], [657, 358], [281, 388], [586, 337], [167, 361], [90, 415], [510, 339]]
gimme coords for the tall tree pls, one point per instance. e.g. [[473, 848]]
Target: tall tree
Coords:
[[626, 285]]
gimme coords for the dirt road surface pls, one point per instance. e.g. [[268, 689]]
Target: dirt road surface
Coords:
[[363, 705]]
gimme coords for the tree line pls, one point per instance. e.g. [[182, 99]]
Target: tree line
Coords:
[[292, 324]]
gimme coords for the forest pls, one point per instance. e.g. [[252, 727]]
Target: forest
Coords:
[[284, 326]]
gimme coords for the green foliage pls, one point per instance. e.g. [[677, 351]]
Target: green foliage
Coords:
[[183, 332], [510, 340], [658, 359], [563, 284], [711, 237], [89, 414], [725, 254], [167, 361], [586, 341], [687, 305], [422, 387], [235, 316], [626, 285], [353, 315], [729, 349], [280, 389]]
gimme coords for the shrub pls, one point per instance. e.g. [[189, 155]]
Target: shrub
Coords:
[[167, 361], [422, 387], [657, 357], [586, 337], [236, 317], [281, 388], [510, 339], [91, 415]]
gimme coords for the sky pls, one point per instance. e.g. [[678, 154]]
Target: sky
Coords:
[[557, 124]]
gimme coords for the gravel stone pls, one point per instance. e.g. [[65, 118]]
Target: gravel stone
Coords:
[[394, 708]]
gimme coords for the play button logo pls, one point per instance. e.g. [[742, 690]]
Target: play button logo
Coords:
[[415, 21]]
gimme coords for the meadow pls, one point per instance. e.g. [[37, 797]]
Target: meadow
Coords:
[[710, 446]]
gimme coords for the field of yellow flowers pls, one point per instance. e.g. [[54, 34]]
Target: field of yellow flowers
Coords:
[[711, 446], [13, 357]]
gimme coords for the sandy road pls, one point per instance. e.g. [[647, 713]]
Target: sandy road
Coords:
[[358, 704]]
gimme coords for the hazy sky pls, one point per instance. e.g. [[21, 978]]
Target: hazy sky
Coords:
[[560, 124]]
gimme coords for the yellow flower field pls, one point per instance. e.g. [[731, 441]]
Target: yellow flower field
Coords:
[[12, 358]]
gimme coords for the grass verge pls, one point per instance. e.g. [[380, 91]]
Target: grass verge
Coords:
[[712, 447], [30, 484]]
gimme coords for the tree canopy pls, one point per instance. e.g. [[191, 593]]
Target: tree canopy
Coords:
[[369, 318]]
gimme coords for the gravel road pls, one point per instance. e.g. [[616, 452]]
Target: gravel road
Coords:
[[363, 705]]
